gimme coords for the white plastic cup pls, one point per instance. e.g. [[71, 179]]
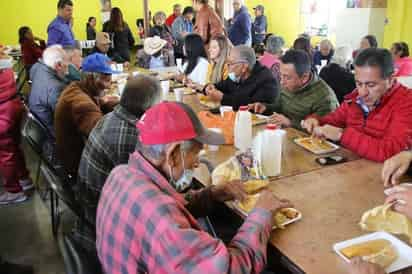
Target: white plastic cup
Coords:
[[135, 73], [212, 147], [179, 63], [120, 67], [113, 67], [165, 89], [224, 109], [179, 93]]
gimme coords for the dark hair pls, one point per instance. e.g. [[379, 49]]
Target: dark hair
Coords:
[[401, 47], [259, 49], [22, 33], [203, 1], [116, 22], [89, 20], [194, 50], [300, 59], [63, 3], [140, 94], [371, 40], [188, 10], [373, 57], [303, 43]]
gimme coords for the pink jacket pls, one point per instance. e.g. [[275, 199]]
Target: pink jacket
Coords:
[[403, 67]]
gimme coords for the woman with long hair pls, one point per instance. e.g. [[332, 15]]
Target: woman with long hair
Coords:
[[121, 36], [31, 51], [91, 28], [219, 48], [196, 66], [401, 59]]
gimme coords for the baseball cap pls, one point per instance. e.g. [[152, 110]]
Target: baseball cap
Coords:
[[103, 38], [152, 45], [170, 122], [97, 62], [259, 7]]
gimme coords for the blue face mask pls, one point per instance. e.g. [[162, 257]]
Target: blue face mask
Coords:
[[232, 76]]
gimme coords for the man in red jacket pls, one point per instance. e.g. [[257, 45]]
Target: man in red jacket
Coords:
[[375, 120], [12, 166]]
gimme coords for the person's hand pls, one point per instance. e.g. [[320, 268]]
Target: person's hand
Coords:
[[359, 266], [269, 201], [229, 191], [184, 33], [126, 65], [395, 167], [214, 94], [402, 200], [280, 120], [179, 77], [110, 100], [310, 124], [328, 132], [257, 108]]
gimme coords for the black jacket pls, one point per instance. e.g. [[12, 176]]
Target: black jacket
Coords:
[[261, 86], [339, 79], [123, 41]]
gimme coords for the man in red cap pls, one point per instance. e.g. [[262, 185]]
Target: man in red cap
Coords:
[[145, 224]]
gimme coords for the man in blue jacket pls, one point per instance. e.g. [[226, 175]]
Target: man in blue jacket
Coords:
[[240, 31], [259, 27]]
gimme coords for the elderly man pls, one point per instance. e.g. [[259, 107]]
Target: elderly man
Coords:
[[259, 26], [375, 119], [208, 23], [325, 53], [240, 31], [75, 62], [177, 11], [48, 81], [111, 142], [303, 93], [102, 43], [59, 30], [80, 107], [149, 192], [248, 81], [271, 57]]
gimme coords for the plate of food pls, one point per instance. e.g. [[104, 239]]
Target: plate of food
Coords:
[[380, 247], [258, 119], [205, 101], [316, 145], [282, 218]]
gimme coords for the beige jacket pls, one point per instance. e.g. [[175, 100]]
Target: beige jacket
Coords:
[[208, 24]]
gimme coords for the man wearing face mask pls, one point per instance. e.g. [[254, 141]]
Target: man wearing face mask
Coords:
[[48, 78], [142, 211], [375, 119], [302, 94], [248, 81], [80, 107]]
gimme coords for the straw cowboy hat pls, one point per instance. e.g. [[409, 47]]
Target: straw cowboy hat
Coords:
[[152, 45]]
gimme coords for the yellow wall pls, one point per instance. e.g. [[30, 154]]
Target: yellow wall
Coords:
[[399, 14], [283, 17]]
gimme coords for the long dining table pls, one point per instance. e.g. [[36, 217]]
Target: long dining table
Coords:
[[331, 199]]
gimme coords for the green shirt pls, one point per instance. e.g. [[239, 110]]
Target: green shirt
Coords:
[[314, 98]]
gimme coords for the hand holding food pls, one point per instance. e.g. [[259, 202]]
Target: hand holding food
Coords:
[[328, 132], [310, 124], [229, 191], [402, 203], [257, 108], [280, 120], [269, 201], [395, 167]]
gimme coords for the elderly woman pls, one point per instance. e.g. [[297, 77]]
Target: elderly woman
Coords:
[[161, 29], [325, 52], [271, 57], [337, 74]]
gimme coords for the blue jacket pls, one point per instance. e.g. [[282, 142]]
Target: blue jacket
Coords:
[[45, 91], [240, 32], [259, 29], [60, 32]]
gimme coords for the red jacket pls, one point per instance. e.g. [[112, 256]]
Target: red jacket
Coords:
[[11, 109], [385, 132], [31, 51]]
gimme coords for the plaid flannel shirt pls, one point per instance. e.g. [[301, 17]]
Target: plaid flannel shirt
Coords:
[[110, 144], [143, 226]]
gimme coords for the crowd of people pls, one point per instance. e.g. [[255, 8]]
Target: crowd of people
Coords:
[[130, 159]]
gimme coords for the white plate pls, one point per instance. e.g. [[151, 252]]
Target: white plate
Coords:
[[334, 147], [404, 251]]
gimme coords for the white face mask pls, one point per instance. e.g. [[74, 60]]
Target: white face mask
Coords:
[[185, 181], [6, 63]]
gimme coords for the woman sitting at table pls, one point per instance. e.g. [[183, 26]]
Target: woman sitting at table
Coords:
[[31, 51], [154, 54], [403, 63], [218, 53], [161, 29], [196, 67]]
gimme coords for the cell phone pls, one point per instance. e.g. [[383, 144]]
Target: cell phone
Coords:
[[330, 160]]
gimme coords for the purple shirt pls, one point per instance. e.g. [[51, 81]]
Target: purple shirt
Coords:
[[60, 32]]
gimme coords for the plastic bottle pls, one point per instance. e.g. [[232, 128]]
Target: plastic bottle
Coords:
[[243, 129], [268, 149]]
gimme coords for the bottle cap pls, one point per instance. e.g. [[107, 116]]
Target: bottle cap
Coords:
[[244, 108], [271, 126]]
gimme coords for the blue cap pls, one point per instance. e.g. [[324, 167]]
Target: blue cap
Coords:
[[99, 63]]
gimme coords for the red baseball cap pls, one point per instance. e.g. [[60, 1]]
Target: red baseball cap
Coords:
[[170, 122]]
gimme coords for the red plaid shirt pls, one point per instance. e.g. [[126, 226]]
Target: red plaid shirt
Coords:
[[143, 227]]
